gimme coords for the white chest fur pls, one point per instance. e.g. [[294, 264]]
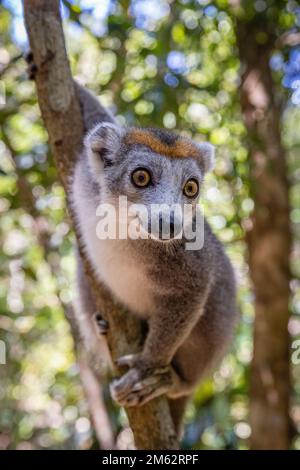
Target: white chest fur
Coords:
[[114, 261], [121, 274]]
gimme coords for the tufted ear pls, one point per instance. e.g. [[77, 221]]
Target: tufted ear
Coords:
[[102, 144], [207, 151]]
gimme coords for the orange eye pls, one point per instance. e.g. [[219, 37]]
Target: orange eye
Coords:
[[191, 188], [141, 178]]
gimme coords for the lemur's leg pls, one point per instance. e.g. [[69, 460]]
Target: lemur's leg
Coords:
[[151, 372]]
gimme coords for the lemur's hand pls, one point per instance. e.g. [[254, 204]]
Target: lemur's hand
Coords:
[[142, 382]]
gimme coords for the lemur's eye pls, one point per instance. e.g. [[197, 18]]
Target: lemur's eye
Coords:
[[141, 177], [191, 188]]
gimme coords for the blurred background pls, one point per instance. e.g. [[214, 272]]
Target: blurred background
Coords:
[[225, 71]]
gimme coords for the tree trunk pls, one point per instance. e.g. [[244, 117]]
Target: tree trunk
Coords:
[[269, 242], [151, 424]]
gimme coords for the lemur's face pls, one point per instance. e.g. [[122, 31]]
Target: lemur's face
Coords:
[[157, 169]]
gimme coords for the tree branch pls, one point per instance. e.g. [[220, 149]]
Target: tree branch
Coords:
[[151, 424]]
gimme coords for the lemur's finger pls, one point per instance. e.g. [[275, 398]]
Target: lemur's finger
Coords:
[[134, 398], [145, 383], [126, 361], [133, 390], [137, 391], [102, 325], [139, 398], [153, 393], [131, 400], [121, 387]]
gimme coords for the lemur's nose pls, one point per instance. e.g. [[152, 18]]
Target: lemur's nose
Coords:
[[171, 225]]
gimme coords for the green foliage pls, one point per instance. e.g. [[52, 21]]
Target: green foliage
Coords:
[[179, 70]]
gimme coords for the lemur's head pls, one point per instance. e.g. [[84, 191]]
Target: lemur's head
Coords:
[[150, 167]]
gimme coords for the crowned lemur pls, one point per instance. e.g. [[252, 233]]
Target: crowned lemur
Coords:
[[185, 296]]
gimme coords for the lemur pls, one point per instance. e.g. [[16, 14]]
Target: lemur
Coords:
[[186, 297]]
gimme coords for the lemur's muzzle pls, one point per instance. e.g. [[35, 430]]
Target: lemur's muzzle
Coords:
[[165, 226]]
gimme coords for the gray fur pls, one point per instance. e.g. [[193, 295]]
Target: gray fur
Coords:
[[186, 297]]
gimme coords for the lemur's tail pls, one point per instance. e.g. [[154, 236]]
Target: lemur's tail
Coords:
[[92, 111]]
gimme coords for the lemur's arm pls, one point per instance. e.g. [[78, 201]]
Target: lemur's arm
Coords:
[[168, 329], [150, 372], [153, 371], [92, 111]]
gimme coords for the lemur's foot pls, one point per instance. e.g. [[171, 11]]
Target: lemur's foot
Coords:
[[141, 383], [31, 66], [102, 325]]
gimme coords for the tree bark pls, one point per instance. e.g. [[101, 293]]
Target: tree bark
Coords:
[[268, 239], [151, 424]]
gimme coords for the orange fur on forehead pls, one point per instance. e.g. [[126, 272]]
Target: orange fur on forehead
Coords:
[[180, 148]]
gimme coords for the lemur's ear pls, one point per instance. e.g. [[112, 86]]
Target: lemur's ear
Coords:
[[208, 155], [102, 144]]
